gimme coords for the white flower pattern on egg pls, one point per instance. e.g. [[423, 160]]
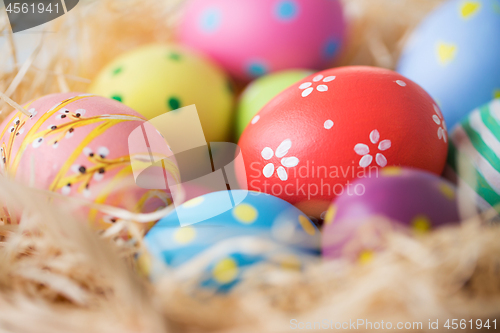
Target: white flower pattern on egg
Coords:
[[442, 131], [255, 119], [308, 87], [364, 151], [288, 162]]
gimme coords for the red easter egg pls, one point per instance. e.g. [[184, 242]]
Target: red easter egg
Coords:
[[337, 125]]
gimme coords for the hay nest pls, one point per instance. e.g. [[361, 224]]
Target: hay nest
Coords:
[[56, 275]]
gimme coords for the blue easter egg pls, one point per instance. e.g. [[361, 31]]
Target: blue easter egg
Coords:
[[454, 55], [261, 229]]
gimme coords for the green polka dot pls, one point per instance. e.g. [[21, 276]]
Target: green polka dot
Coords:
[[117, 71], [174, 56], [117, 97], [174, 103]]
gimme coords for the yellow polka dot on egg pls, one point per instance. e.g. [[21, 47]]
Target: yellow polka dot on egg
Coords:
[[469, 8], [307, 225], [447, 191], [496, 93], [193, 202], [144, 264], [421, 224], [245, 213], [330, 214], [291, 262], [391, 171], [225, 271], [366, 256], [446, 53], [184, 235]]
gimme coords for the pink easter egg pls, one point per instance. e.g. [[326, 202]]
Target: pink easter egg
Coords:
[[250, 38], [77, 145]]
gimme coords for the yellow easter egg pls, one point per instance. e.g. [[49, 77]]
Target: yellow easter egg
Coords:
[[155, 79]]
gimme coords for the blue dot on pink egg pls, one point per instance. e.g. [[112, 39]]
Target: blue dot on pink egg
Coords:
[[257, 68], [286, 10], [330, 48], [211, 19]]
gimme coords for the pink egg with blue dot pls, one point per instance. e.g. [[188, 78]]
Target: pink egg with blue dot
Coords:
[[395, 199], [250, 38]]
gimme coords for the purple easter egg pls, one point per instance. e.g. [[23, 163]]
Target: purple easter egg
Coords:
[[399, 198]]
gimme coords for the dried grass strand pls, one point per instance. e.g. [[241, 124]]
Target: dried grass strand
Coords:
[[16, 106]]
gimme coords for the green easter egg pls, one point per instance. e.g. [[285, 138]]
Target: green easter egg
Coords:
[[261, 91], [474, 153]]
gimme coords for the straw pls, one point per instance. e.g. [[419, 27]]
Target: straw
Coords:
[[58, 276]]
